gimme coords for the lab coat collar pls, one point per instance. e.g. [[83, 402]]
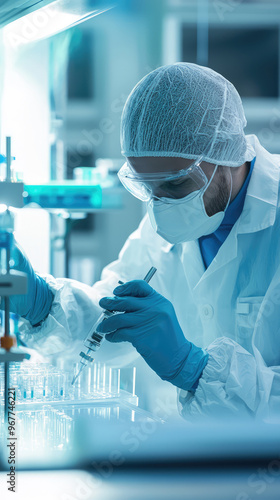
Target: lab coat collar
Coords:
[[261, 200]]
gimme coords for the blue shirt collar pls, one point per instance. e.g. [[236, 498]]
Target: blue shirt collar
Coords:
[[235, 208]]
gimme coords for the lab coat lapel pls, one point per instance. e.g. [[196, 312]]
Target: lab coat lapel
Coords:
[[192, 261], [226, 253]]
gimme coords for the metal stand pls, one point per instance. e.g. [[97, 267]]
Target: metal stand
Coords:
[[11, 282]]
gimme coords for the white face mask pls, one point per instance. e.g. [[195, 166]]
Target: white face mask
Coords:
[[184, 219]]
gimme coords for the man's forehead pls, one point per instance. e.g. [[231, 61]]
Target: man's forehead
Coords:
[[151, 164]]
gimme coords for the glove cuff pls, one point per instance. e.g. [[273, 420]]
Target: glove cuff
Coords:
[[42, 302], [191, 369]]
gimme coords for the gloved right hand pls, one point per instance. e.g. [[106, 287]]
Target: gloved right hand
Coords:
[[150, 323], [36, 304]]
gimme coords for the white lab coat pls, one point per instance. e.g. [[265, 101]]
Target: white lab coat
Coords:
[[232, 308]]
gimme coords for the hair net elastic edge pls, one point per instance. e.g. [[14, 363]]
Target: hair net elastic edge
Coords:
[[248, 156]]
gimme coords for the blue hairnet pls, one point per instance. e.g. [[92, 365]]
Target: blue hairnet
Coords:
[[185, 110]]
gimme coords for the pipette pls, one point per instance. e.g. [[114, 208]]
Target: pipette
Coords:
[[94, 339]]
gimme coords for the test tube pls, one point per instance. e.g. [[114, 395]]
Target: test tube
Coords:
[[62, 386], [85, 381], [68, 389], [69, 426], [93, 378], [101, 378], [57, 384], [77, 390], [31, 385], [24, 389], [128, 380], [114, 377], [48, 386], [39, 387]]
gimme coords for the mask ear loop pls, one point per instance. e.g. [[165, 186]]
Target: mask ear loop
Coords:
[[229, 198], [210, 180]]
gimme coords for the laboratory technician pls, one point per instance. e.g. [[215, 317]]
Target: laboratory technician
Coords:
[[210, 321]]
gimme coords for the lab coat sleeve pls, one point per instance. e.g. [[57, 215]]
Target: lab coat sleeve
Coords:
[[237, 382], [234, 383], [74, 310], [228, 383], [75, 307]]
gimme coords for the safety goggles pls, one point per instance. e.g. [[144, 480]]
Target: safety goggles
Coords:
[[147, 186]]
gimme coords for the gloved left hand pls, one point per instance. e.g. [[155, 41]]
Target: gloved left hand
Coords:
[[149, 322], [36, 304]]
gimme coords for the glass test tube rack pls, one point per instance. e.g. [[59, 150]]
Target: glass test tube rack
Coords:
[[40, 384]]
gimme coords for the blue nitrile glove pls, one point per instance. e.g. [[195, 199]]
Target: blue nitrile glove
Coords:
[[36, 304], [151, 325]]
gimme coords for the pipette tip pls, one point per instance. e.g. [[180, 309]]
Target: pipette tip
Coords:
[[76, 376]]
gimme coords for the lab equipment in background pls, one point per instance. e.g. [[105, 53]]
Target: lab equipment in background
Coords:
[[14, 323], [109, 166], [104, 172], [11, 283], [3, 168], [11, 191], [91, 189], [94, 340], [64, 195]]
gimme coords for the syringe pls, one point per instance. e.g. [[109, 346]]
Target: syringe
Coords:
[[94, 340]]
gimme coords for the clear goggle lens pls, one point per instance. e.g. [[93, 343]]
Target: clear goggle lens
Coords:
[[173, 185]]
